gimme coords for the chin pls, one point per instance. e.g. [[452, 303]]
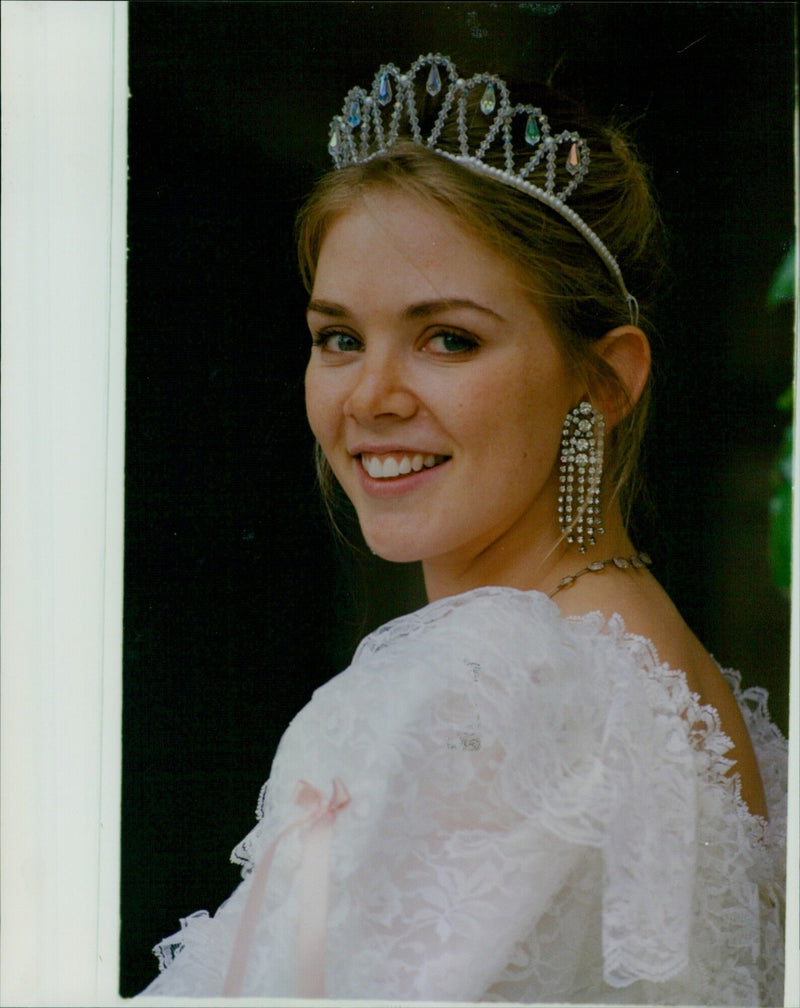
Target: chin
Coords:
[[394, 553], [394, 549]]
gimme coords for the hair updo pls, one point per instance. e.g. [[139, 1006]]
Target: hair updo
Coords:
[[565, 278]]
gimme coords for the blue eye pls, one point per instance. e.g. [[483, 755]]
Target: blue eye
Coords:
[[447, 342], [337, 342]]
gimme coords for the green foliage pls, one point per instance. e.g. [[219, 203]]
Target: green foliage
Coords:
[[782, 286]]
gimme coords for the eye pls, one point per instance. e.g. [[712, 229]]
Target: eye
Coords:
[[336, 341], [449, 342]]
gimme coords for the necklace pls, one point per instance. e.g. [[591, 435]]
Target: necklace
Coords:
[[638, 561]]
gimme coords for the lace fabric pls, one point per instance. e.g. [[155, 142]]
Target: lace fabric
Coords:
[[540, 810]]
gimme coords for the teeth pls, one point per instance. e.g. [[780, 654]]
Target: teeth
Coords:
[[390, 467]]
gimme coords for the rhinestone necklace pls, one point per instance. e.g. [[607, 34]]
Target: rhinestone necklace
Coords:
[[638, 561]]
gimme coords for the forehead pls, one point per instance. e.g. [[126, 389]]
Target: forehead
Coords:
[[412, 248]]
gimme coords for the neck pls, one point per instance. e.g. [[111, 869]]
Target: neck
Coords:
[[534, 563]]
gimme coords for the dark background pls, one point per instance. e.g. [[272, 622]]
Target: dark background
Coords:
[[237, 601]]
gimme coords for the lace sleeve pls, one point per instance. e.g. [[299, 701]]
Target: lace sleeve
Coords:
[[507, 772]]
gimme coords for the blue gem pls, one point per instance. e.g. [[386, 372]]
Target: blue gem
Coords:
[[384, 90], [354, 115]]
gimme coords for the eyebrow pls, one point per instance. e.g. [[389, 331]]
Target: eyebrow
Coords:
[[415, 311]]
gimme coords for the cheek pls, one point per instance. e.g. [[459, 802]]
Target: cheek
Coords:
[[320, 408], [526, 432], [517, 414]]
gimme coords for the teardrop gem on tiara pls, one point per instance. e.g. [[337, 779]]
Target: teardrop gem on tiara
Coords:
[[384, 90], [573, 164], [488, 102], [434, 84], [354, 115], [532, 134], [333, 141]]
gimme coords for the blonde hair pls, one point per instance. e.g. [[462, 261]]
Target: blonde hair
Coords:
[[564, 276]]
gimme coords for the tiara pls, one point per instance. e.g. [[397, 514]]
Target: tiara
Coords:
[[556, 165]]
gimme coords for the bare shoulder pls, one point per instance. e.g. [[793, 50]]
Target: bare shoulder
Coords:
[[648, 611]]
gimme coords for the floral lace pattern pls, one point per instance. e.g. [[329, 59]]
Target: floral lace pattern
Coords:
[[541, 811]]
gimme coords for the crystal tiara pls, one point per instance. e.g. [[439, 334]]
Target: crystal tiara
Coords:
[[370, 125]]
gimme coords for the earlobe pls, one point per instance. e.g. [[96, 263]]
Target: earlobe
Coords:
[[626, 350]]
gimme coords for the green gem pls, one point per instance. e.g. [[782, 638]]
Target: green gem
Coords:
[[532, 134]]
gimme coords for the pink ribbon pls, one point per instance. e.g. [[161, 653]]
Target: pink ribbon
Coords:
[[319, 819]]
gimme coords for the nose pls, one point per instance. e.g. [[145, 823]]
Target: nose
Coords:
[[381, 388]]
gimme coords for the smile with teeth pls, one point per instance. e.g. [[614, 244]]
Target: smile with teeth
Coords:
[[391, 466]]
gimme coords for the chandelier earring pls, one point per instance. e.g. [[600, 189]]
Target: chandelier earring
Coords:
[[579, 511]]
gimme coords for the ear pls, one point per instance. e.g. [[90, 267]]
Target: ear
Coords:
[[626, 350]]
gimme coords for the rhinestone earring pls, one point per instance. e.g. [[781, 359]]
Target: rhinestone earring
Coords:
[[581, 475]]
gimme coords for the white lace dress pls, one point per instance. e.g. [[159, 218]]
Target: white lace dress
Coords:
[[495, 803]]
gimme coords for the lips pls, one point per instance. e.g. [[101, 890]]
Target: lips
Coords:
[[395, 464]]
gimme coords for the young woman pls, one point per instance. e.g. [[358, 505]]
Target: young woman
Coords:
[[540, 787]]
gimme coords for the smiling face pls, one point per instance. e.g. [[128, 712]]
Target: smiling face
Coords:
[[437, 393]]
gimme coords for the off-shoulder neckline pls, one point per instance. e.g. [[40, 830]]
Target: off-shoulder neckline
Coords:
[[712, 740]]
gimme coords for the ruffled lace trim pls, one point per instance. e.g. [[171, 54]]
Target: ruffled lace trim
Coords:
[[645, 858], [760, 842], [707, 735]]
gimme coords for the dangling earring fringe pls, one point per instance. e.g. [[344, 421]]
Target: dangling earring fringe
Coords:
[[581, 475]]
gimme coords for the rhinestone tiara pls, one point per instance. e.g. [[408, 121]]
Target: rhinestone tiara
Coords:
[[558, 162]]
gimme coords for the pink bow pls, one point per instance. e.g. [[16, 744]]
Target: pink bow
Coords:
[[319, 818], [311, 798]]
